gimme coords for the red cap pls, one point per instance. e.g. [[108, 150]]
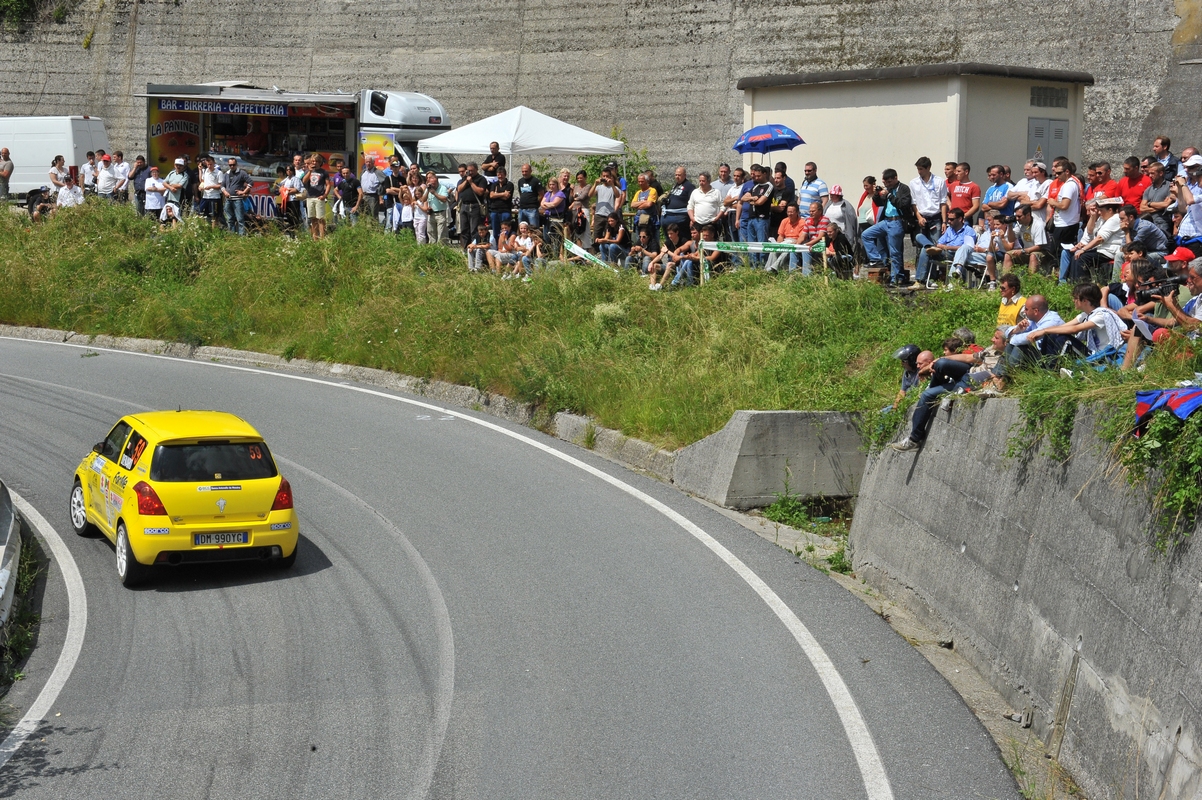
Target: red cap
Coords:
[[105, 157], [1160, 335], [1181, 254]]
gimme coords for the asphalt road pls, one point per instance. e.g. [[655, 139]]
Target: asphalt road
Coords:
[[470, 617]]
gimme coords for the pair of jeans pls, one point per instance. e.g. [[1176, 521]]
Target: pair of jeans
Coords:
[[470, 216], [613, 253], [639, 261], [495, 218], [757, 231], [235, 215], [888, 233], [530, 217], [686, 273], [744, 230], [944, 377], [1065, 235], [926, 236]]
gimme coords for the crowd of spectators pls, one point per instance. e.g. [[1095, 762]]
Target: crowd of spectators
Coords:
[[1052, 218], [1113, 328]]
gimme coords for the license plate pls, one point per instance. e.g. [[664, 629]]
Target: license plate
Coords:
[[240, 537]]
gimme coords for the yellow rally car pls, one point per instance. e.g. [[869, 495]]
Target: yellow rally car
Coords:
[[184, 487]]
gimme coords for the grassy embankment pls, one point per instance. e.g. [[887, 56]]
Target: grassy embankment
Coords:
[[668, 367]]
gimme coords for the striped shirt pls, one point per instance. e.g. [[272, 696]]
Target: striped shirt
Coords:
[[808, 192]]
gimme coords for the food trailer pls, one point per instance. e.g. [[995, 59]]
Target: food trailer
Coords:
[[264, 128]]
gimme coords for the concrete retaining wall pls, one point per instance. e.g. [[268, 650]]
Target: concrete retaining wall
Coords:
[[1043, 575], [664, 71], [744, 465]]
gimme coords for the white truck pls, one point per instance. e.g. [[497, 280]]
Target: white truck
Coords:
[[33, 142]]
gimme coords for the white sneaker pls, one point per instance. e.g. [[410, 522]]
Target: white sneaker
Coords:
[[1066, 373], [906, 445], [945, 404]]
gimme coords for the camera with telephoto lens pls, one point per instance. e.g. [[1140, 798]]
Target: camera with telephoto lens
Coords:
[[1159, 289]]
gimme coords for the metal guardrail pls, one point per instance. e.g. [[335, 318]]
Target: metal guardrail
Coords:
[[10, 557]]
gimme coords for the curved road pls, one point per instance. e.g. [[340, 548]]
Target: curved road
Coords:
[[471, 616]]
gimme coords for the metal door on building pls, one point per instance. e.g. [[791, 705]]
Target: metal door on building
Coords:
[[1046, 139]]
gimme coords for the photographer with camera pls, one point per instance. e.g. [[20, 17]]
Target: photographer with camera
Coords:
[[1188, 191], [1189, 315], [1150, 315], [885, 239]]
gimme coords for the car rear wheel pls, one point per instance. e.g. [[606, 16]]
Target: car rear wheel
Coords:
[[79, 512], [129, 570], [287, 561]]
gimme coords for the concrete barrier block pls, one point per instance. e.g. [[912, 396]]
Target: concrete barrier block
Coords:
[[744, 464]]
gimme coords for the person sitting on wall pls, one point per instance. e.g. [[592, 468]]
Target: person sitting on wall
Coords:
[[916, 365], [1096, 330], [946, 373], [1010, 289], [1019, 349]]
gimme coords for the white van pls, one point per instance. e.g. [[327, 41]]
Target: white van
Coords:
[[33, 142]]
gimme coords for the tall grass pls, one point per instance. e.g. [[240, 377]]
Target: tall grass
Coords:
[[668, 367]]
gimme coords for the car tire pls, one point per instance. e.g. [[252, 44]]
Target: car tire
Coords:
[[79, 512], [129, 570], [287, 561]]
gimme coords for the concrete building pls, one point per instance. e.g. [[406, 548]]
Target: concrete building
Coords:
[[665, 72], [858, 122]]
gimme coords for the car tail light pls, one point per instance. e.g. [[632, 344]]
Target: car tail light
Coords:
[[149, 504], [283, 496]]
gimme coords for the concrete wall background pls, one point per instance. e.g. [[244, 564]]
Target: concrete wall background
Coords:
[[1028, 566], [666, 73], [855, 118]]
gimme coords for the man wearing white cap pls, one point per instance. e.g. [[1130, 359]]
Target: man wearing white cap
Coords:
[[177, 182]]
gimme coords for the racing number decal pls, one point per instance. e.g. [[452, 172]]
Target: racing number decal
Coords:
[[133, 451], [256, 452]]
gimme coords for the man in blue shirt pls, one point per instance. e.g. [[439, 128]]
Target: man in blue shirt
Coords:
[[957, 240], [812, 188], [996, 195]]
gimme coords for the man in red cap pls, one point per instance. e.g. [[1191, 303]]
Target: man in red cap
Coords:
[[1177, 260], [106, 178]]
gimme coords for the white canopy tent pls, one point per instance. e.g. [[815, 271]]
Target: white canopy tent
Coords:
[[521, 131]]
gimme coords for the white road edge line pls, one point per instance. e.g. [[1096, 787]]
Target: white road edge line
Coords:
[[445, 693], [868, 759], [77, 624]]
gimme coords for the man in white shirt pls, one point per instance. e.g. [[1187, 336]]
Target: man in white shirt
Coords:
[[705, 203], [121, 168], [212, 179], [1064, 200], [106, 178], [733, 205], [1095, 257], [156, 192], [87, 173], [929, 193], [70, 195]]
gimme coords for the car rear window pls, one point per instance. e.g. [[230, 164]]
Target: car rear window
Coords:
[[211, 461]]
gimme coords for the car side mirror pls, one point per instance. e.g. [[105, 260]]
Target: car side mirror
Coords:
[[98, 447]]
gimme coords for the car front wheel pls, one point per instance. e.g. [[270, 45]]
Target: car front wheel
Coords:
[[129, 570], [79, 512]]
